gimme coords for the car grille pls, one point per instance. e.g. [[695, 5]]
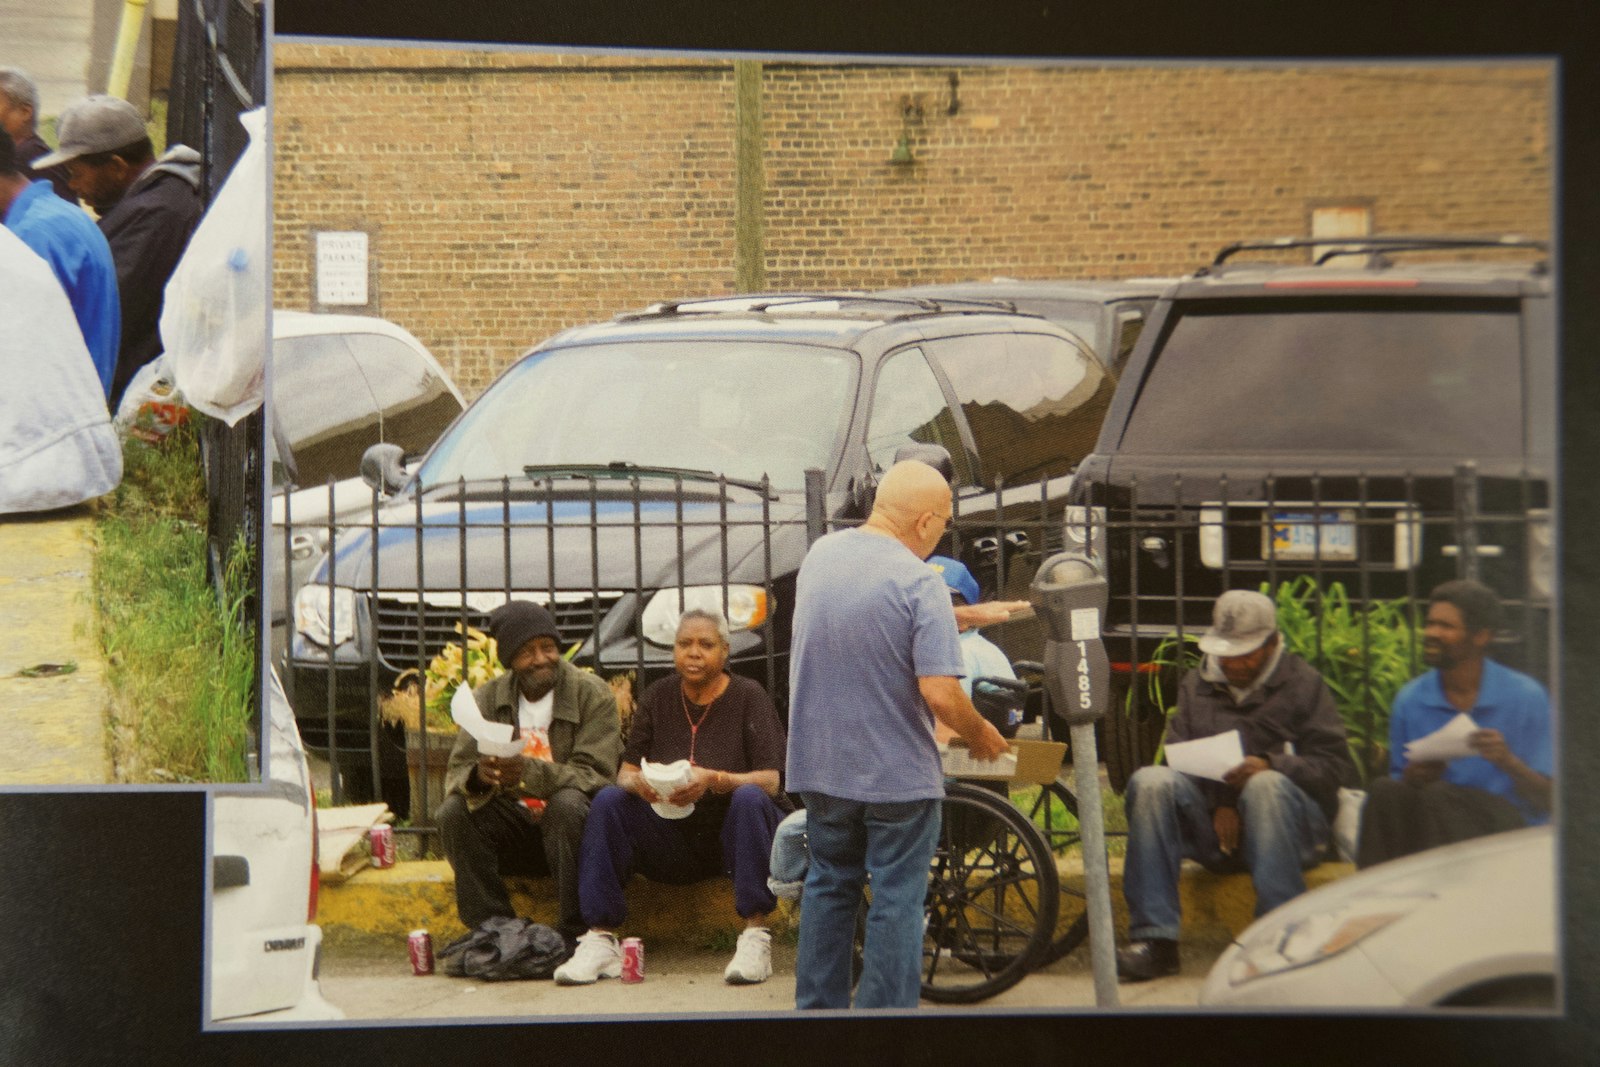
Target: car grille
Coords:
[[398, 621]]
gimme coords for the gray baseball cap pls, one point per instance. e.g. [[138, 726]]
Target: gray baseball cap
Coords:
[[1241, 622], [94, 124]]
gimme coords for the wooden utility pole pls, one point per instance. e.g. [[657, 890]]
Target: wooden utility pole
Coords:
[[749, 253]]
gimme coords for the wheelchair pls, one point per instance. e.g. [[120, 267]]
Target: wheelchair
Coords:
[[997, 906]]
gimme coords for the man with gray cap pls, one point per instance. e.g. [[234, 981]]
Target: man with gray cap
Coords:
[[148, 209], [524, 814], [1269, 815]]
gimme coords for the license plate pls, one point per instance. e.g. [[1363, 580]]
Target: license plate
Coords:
[[1308, 535]]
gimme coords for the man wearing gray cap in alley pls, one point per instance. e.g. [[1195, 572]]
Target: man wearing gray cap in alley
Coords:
[[1269, 815], [148, 208]]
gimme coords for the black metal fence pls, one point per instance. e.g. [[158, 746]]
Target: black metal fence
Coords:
[[603, 553]]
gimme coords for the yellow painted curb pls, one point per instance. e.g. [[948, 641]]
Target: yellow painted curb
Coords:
[[420, 895], [385, 905]]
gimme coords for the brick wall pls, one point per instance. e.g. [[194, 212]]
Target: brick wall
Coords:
[[510, 195]]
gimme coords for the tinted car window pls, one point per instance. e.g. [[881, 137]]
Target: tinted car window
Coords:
[[908, 405], [739, 407], [326, 411], [1130, 324], [1034, 403], [1335, 376], [413, 400]]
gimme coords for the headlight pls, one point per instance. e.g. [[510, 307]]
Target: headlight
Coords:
[[1314, 938], [1541, 555], [1083, 530], [747, 609], [315, 619]]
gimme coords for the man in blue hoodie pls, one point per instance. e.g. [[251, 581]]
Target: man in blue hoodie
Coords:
[[148, 209], [65, 237]]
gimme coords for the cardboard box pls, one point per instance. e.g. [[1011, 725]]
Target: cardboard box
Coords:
[[1028, 762]]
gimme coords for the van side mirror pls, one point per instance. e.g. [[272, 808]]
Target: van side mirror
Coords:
[[383, 467]]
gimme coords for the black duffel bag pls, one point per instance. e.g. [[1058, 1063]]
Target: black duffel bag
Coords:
[[504, 949]]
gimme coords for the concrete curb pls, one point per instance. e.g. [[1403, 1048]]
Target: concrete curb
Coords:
[[383, 906], [54, 728]]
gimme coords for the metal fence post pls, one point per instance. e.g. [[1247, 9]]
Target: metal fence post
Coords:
[[816, 506], [1467, 520]]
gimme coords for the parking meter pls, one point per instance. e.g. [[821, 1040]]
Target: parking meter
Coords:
[[1069, 595]]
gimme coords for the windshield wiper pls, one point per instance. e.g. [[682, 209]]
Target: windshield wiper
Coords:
[[619, 468]]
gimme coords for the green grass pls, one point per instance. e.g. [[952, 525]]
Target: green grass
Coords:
[[182, 669], [1113, 816]]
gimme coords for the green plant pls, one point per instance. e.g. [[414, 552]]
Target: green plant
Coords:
[[1365, 656], [472, 662], [1053, 817], [180, 664]]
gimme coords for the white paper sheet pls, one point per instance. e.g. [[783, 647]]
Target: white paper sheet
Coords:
[[1207, 757], [1446, 743], [493, 738]]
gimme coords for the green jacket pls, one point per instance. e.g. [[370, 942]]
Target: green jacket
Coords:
[[585, 738]]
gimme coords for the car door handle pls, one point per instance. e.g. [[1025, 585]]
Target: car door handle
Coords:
[[229, 872]]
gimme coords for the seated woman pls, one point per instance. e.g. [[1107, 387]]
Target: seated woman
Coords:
[[733, 785]]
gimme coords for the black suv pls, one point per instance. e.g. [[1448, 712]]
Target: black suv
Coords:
[[1109, 315], [621, 471], [1382, 416]]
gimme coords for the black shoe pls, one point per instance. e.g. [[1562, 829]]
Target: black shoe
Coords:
[[1144, 960]]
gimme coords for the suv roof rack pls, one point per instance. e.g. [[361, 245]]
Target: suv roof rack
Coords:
[[760, 302], [1377, 243]]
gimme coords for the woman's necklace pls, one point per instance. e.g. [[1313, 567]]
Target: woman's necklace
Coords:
[[694, 723]]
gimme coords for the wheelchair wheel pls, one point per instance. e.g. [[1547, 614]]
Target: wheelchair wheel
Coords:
[[992, 898], [1053, 810]]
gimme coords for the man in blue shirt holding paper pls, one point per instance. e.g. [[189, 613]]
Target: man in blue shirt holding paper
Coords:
[[1269, 814], [1503, 780]]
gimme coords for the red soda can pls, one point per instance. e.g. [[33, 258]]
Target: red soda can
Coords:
[[632, 959], [420, 945], [383, 851]]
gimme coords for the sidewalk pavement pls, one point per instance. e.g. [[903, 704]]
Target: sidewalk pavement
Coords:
[[53, 731], [382, 906]]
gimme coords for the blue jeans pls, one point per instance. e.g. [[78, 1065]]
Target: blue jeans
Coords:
[[1282, 831], [850, 840], [624, 836]]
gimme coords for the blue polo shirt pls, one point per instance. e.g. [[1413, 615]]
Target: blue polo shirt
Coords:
[[67, 239], [870, 618], [1508, 701]]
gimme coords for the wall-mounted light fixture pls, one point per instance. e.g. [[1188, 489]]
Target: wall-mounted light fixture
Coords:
[[910, 109]]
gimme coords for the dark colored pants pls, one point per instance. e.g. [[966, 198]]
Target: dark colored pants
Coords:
[[625, 836], [1398, 819], [503, 838]]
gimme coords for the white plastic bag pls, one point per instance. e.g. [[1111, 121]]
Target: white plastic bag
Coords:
[[151, 404], [1347, 823], [214, 321]]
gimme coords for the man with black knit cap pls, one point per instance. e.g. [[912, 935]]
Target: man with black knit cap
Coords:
[[524, 814]]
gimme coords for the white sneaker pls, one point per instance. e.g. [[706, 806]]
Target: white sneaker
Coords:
[[752, 958], [598, 955]]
